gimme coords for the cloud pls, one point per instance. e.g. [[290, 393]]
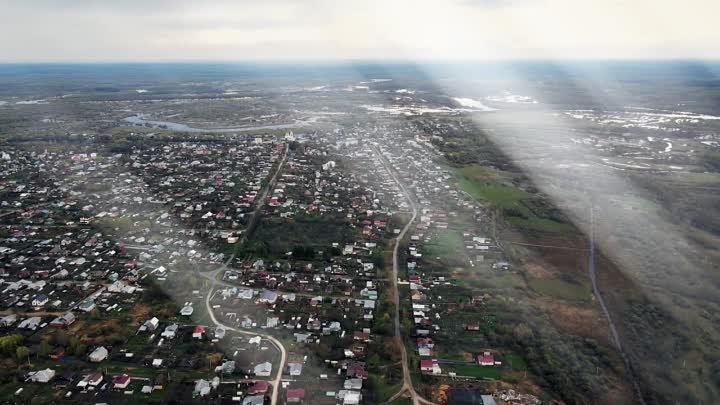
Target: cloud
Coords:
[[163, 30]]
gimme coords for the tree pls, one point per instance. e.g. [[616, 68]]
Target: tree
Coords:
[[80, 349], [95, 314], [374, 361], [22, 353], [43, 349], [523, 334], [73, 346], [9, 343], [60, 337]]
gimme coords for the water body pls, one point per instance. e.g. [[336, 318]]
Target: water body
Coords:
[[178, 127]]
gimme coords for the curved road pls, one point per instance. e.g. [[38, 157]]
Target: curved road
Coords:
[[407, 386], [277, 343], [213, 275]]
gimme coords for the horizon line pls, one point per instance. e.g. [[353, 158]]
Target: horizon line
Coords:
[[369, 61]]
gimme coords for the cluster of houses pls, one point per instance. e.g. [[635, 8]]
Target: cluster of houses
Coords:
[[84, 230], [438, 200]]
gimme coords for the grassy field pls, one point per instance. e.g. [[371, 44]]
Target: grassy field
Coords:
[[539, 224], [471, 370], [514, 362], [496, 194], [560, 289], [448, 245], [486, 185]]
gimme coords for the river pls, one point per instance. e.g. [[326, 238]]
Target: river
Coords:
[[140, 119]]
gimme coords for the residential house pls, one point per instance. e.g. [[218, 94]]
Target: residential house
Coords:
[[150, 325], [295, 369], [40, 300], [430, 366], [63, 321], [254, 400], [92, 380], [170, 331], [98, 355], [259, 387], [295, 395], [486, 359], [198, 332], [263, 369], [43, 376], [8, 320], [121, 381], [31, 323], [87, 305], [202, 388]]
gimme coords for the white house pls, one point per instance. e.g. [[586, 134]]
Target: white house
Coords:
[[98, 354], [263, 369], [43, 376], [40, 300]]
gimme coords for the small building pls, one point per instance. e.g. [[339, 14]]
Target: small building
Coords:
[[170, 331], [92, 380], [8, 320], [63, 321], [87, 305], [295, 369], [121, 381], [259, 387], [295, 395], [98, 355], [198, 332], [263, 369], [159, 381], [430, 366], [466, 396], [267, 297], [486, 359], [254, 400], [31, 323], [353, 384], [227, 367], [502, 266], [43, 376], [202, 388], [150, 325], [40, 300]]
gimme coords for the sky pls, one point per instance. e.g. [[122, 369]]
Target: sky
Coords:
[[324, 30]]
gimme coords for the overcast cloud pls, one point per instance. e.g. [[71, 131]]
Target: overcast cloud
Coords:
[[418, 30]]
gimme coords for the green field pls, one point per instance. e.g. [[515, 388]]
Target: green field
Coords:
[[496, 194], [539, 224], [483, 184], [447, 244], [514, 362], [560, 289], [471, 370]]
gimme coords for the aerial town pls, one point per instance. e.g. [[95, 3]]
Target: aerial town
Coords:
[[246, 270], [234, 249]]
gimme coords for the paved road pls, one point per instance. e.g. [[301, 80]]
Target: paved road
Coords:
[[261, 201], [283, 353], [213, 277], [407, 386]]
